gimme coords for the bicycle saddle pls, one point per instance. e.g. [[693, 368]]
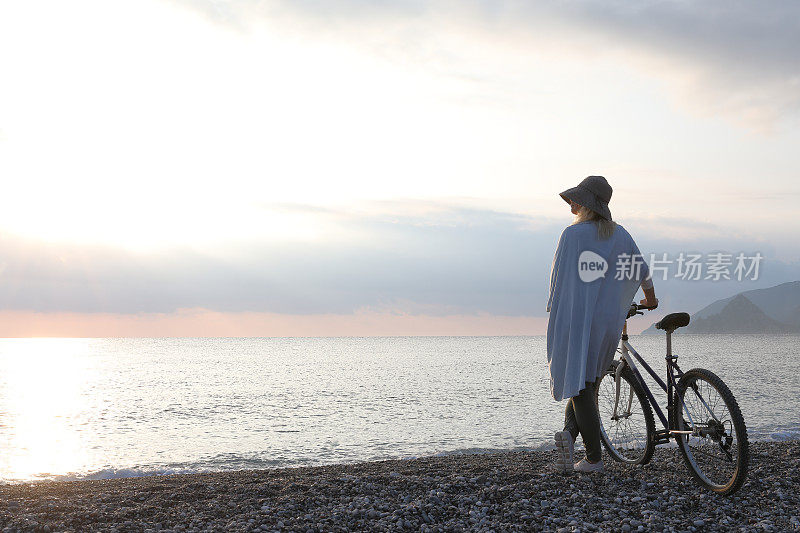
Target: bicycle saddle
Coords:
[[673, 321]]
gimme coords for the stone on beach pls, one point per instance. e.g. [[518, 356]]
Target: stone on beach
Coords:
[[512, 491]]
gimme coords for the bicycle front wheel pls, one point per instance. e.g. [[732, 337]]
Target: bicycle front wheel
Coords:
[[714, 444], [627, 428]]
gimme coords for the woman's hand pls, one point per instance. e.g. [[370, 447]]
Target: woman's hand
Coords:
[[649, 303], [650, 299]]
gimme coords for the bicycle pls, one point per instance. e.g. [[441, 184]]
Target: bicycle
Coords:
[[703, 417]]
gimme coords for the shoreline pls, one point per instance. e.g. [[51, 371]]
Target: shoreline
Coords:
[[506, 491]]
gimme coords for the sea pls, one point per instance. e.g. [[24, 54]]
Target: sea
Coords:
[[75, 409]]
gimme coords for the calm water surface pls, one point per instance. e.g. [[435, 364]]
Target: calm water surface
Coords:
[[75, 408]]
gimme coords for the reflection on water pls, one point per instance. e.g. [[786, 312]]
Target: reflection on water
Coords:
[[43, 406], [115, 407]]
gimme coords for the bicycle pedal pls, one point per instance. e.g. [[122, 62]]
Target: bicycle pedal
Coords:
[[661, 436]]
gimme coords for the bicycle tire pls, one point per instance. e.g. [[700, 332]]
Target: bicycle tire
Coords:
[[717, 452], [629, 439]]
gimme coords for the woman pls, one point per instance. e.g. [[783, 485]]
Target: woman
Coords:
[[597, 270]]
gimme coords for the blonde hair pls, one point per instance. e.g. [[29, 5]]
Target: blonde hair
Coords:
[[605, 228]]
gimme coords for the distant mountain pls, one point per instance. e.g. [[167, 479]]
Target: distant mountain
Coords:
[[772, 310]]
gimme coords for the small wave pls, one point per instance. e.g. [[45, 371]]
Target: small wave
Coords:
[[105, 473], [777, 434], [544, 446], [261, 461], [216, 463], [119, 473], [232, 462]]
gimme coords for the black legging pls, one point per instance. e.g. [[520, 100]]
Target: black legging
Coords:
[[581, 416]]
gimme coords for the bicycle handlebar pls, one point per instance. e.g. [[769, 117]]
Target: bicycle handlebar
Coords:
[[636, 309]]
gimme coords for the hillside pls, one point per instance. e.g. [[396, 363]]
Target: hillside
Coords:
[[771, 310]]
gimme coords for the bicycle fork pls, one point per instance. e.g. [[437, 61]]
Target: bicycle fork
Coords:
[[618, 387]]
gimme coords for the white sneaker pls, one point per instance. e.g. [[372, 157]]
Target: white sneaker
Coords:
[[585, 466], [565, 447]]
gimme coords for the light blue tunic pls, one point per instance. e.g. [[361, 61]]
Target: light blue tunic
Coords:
[[587, 306]]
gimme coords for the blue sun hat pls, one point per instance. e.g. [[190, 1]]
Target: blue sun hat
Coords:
[[594, 192]]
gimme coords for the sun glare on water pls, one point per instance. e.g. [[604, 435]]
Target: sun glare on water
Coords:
[[43, 395]]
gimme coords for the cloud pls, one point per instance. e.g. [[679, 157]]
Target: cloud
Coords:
[[462, 261], [730, 58], [743, 57], [395, 258]]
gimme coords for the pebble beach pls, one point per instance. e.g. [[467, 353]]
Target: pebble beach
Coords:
[[511, 491]]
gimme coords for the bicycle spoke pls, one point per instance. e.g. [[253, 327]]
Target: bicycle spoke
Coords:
[[713, 450], [626, 434], [698, 449]]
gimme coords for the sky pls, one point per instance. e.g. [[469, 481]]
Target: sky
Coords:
[[275, 168]]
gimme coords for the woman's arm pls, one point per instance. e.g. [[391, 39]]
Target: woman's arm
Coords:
[[650, 299]]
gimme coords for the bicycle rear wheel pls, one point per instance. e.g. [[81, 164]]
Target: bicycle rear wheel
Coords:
[[627, 428], [716, 449]]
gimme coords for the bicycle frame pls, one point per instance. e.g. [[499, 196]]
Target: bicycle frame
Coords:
[[688, 419], [673, 374]]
